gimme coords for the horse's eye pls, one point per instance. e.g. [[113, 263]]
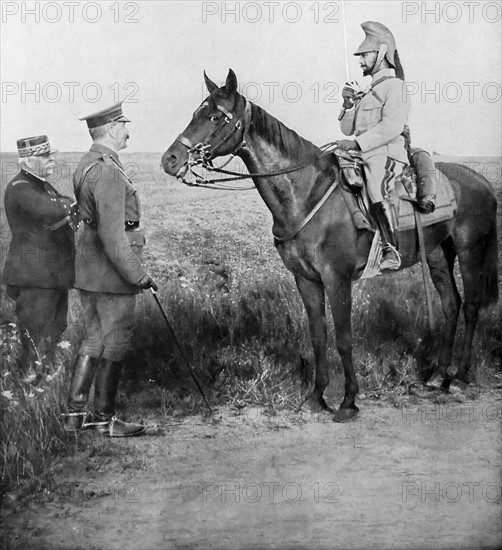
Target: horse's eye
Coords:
[[213, 119]]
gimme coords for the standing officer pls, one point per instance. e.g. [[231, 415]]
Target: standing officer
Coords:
[[40, 264], [108, 273], [377, 118]]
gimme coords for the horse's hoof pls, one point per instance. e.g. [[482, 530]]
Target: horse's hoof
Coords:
[[435, 381], [458, 386], [345, 414], [315, 404]]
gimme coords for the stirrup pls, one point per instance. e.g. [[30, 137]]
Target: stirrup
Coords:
[[393, 263]]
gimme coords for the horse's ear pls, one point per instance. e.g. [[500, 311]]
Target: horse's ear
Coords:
[[211, 86], [231, 84]]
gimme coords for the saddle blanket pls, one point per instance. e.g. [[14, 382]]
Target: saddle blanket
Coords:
[[446, 207], [446, 204]]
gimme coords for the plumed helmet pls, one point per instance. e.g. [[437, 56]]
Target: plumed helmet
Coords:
[[376, 35]]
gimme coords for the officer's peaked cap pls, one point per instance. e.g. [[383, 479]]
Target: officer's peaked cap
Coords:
[[110, 114], [34, 146]]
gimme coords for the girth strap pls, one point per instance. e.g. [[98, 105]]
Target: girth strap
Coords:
[[313, 212]]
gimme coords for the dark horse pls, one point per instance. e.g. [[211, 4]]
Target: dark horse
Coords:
[[324, 254]]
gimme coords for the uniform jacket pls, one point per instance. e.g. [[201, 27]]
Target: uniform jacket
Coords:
[[108, 257], [377, 123], [38, 257]]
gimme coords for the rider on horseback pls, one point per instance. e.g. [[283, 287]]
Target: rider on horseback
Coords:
[[377, 118]]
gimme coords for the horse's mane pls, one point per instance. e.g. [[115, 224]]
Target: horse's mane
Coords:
[[286, 140]]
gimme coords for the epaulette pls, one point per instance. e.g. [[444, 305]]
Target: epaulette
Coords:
[[108, 160]]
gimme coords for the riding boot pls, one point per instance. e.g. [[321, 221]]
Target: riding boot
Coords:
[[80, 386], [107, 381], [391, 260]]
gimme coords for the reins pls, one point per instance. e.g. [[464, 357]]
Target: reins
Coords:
[[205, 152], [202, 154]]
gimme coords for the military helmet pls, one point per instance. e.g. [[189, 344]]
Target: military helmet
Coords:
[[376, 35]]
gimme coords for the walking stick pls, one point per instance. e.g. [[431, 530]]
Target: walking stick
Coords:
[[184, 357]]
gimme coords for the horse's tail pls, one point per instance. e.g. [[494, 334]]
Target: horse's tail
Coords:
[[489, 281]]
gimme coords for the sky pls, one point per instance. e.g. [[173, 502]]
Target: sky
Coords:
[[67, 59]]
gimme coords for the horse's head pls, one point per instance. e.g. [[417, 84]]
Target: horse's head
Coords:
[[216, 129]]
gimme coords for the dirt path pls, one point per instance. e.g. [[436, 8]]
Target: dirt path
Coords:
[[417, 475]]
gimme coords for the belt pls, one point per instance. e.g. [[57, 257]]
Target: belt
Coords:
[[129, 225]]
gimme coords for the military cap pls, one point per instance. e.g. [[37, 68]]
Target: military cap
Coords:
[[110, 114], [376, 35], [34, 146]]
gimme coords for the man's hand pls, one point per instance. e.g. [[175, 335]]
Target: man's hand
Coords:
[[349, 92], [147, 282], [348, 145]]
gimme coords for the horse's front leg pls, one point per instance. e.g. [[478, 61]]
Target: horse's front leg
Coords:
[[312, 294], [339, 290]]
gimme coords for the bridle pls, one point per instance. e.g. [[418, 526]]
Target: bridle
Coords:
[[204, 150], [203, 153]]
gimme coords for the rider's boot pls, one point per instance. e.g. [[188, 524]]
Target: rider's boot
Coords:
[[107, 380], [80, 386], [382, 214]]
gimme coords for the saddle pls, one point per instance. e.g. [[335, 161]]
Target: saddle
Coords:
[[417, 179], [352, 169]]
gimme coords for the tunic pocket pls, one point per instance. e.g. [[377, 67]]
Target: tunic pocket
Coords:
[[371, 116]]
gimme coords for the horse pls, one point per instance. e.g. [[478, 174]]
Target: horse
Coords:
[[318, 242]]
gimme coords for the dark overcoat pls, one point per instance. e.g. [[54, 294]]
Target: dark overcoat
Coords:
[[38, 257]]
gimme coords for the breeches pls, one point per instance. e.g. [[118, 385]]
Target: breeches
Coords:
[[380, 172], [41, 312], [108, 323]]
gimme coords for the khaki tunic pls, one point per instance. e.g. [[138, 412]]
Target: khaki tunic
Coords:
[[108, 257], [377, 124]]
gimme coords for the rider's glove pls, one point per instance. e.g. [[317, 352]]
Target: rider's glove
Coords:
[[349, 93], [348, 145], [147, 282]]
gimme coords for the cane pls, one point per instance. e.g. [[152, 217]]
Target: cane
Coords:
[[184, 357]]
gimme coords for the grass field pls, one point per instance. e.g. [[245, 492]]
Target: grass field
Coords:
[[237, 315]]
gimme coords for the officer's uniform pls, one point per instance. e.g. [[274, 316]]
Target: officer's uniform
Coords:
[[39, 268], [107, 269], [109, 252], [377, 121]]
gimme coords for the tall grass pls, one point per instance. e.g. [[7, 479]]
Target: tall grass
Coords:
[[239, 318], [30, 430]]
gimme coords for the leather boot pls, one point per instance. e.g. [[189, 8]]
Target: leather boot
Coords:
[[80, 386], [107, 381], [391, 260]]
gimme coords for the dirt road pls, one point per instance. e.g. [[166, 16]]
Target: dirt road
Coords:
[[418, 474]]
